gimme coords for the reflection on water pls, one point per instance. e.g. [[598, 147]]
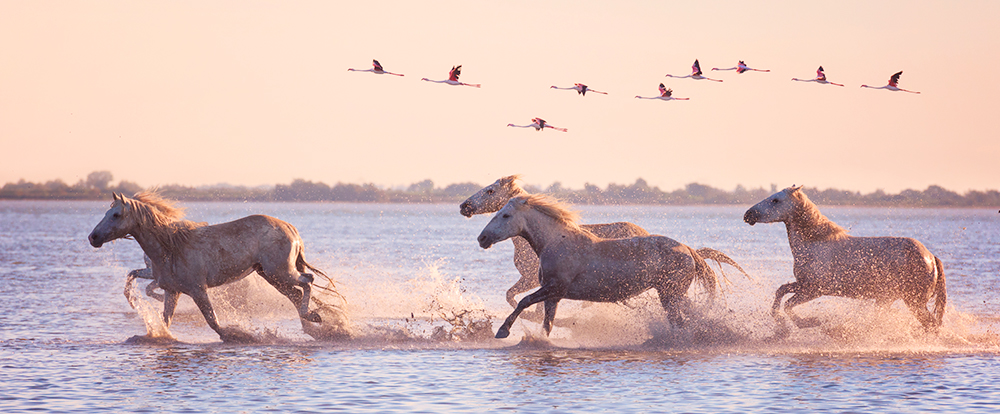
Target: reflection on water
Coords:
[[419, 290]]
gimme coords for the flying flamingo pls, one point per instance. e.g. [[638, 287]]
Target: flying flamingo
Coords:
[[892, 86], [665, 95], [539, 124], [453, 75], [820, 78], [742, 67], [376, 69], [580, 89], [695, 73]]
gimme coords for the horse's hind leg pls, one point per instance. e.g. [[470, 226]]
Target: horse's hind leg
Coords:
[[299, 298], [919, 310]]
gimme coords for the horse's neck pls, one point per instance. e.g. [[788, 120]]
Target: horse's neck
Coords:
[[811, 226], [544, 232], [151, 245]]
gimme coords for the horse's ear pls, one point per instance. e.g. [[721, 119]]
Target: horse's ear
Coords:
[[115, 196], [794, 188]]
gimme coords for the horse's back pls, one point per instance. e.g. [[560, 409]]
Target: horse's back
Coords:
[[617, 230]]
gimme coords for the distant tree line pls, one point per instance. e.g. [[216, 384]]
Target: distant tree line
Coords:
[[98, 186]]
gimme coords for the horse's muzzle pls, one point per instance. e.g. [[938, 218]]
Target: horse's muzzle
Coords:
[[94, 240], [466, 209], [485, 242], [751, 217]]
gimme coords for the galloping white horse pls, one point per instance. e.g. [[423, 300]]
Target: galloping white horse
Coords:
[[493, 197], [576, 264], [829, 262], [190, 257]]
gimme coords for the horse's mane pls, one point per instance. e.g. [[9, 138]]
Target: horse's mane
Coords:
[[511, 181], [813, 224], [162, 218], [552, 207]]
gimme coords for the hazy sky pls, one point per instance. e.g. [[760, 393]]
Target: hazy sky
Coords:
[[258, 92]]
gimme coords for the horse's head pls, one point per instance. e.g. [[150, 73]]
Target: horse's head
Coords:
[[492, 197], [117, 222], [507, 223], [777, 208]]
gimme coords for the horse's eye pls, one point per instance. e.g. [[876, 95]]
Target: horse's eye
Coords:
[[489, 192], [775, 201], [116, 215], [506, 215]]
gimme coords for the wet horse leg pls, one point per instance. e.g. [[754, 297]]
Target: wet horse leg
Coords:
[[299, 298], [672, 305], [550, 314], [528, 265], [800, 297], [200, 297], [542, 294], [919, 309], [170, 299]]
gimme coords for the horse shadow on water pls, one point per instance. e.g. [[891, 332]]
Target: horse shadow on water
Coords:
[[188, 257]]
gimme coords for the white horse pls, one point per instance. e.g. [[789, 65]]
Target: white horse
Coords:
[[829, 262], [576, 264], [493, 197], [189, 257]]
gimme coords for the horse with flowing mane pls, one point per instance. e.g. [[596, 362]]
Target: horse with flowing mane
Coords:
[[188, 257], [829, 262], [576, 264], [493, 197]]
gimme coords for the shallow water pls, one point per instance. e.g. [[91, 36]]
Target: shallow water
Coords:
[[406, 270]]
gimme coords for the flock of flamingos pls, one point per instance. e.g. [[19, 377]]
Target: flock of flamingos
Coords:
[[666, 94]]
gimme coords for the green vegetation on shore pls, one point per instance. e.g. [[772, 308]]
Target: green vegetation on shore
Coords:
[[98, 186]]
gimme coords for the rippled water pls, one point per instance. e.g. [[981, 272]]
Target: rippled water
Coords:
[[406, 270]]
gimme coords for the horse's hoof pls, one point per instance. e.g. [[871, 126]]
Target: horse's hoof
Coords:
[[313, 317], [502, 333], [236, 335]]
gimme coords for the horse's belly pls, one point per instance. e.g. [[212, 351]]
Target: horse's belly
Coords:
[[607, 287]]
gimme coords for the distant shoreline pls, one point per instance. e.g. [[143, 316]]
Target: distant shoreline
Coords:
[[98, 187]]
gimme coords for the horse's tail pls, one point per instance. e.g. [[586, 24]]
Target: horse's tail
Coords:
[[721, 258], [940, 292], [705, 275], [301, 265]]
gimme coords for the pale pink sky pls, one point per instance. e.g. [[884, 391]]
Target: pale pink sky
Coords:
[[258, 92]]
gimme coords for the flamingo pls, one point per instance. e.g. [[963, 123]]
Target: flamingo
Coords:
[[742, 67], [695, 73], [376, 69], [892, 86], [539, 124], [665, 95], [453, 75], [580, 89], [820, 78]]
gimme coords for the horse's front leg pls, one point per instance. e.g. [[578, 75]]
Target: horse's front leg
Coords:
[[200, 297], [540, 295], [779, 294], [170, 299], [550, 314], [802, 295]]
